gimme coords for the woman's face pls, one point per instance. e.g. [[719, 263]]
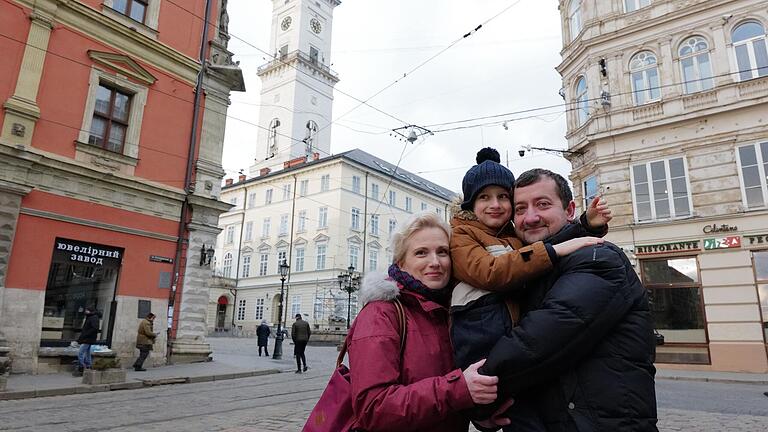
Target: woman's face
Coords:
[[427, 257]]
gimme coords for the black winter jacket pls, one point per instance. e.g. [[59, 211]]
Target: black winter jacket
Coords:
[[582, 353], [262, 334], [90, 330]]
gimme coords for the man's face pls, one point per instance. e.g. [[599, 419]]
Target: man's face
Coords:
[[493, 207], [539, 212]]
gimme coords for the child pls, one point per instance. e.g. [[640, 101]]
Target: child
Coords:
[[491, 263]]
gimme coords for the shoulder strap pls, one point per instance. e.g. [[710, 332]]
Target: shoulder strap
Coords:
[[402, 330]]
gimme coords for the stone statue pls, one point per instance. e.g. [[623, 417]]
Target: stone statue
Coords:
[[224, 19]]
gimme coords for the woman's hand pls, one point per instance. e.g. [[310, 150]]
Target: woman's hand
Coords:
[[573, 245], [482, 388], [598, 213]]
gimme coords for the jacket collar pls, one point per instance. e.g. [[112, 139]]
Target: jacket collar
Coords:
[[469, 218], [378, 286]]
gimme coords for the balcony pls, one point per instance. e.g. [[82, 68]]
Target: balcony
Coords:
[[301, 57]]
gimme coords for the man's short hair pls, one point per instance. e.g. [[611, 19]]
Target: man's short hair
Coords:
[[298, 315], [535, 175]]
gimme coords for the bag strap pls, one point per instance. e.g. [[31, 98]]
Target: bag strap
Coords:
[[402, 330]]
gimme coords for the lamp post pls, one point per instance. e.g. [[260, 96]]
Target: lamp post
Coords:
[[277, 352], [348, 282]]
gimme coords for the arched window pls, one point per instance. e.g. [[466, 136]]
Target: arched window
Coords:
[[749, 46], [574, 18], [310, 137], [633, 5], [274, 125], [582, 102], [695, 65], [645, 77], [226, 269]]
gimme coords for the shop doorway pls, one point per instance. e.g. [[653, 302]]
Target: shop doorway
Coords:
[[221, 313]]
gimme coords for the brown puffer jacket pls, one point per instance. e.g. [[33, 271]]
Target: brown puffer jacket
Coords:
[[145, 336]]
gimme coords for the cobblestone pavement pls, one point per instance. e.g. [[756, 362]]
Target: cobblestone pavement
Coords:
[[282, 402]]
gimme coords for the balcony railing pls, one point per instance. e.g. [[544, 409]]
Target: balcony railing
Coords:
[[301, 56]]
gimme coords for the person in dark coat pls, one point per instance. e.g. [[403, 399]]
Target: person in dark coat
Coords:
[[145, 341], [300, 333], [262, 334], [580, 359], [87, 338]]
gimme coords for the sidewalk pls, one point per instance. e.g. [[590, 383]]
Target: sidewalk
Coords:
[[232, 358], [707, 376]]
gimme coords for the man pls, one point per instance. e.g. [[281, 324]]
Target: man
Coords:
[[300, 333], [145, 340], [580, 358], [262, 337], [87, 338]]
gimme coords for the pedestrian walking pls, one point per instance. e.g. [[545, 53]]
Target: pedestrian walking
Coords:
[[87, 338], [300, 333], [145, 340], [262, 334]]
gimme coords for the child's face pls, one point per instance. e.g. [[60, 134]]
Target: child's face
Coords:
[[493, 206]]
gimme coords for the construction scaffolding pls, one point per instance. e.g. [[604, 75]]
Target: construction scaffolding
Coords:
[[330, 306]]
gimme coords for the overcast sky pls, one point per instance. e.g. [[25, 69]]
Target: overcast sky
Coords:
[[506, 66]]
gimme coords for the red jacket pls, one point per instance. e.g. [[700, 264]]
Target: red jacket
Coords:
[[421, 392]]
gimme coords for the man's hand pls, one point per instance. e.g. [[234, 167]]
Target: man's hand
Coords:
[[573, 245], [598, 213], [497, 418], [482, 388]]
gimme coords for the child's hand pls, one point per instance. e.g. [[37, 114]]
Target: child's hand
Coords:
[[572, 245], [598, 213]]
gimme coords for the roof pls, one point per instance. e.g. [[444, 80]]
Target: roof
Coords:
[[377, 165]]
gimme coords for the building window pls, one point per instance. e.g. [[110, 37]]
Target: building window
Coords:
[[110, 119], [299, 259], [241, 310], [226, 268], [392, 226], [246, 266], [230, 235], [268, 197], [677, 306], [248, 231], [274, 127], [574, 18], [582, 102], [424, 206], [320, 257], [590, 189], [374, 191], [354, 252], [408, 204], [135, 9], [373, 259], [325, 183], [303, 187], [633, 5], [392, 198], [439, 211], [251, 200], [265, 227], [753, 166], [322, 218], [295, 305], [695, 65], [286, 192], [749, 46], [282, 256], [259, 314], [389, 257], [302, 226], [645, 78], [356, 219], [652, 185], [263, 264], [375, 225], [233, 201], [356, 184], [283, 225], [128, 12]]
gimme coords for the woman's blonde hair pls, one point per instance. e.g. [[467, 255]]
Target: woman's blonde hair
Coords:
[[416, 223]]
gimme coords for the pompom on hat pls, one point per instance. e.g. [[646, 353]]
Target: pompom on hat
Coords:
[[488, 171]]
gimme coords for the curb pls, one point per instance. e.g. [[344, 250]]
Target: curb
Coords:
[[714, 380], [130, 385]]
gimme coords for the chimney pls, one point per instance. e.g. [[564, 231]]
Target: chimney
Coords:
[[228, 182], [296, 161], [241, 178], [264, 171]]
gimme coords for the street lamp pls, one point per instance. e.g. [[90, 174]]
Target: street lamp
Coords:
[[348, 282], [277, 352]]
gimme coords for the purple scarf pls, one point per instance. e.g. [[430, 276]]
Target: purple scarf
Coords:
[[440, 296]]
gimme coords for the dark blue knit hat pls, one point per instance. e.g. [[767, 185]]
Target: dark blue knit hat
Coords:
[[488, 171]]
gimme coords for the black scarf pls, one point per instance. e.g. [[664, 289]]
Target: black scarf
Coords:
[[439, 296]]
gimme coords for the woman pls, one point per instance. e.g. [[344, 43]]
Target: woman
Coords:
[[418, 388]]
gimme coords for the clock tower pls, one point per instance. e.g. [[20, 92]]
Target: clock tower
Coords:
[[297, 85]]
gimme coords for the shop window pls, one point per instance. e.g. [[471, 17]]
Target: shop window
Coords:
[[81, 275], [761, 275], [677, 308]]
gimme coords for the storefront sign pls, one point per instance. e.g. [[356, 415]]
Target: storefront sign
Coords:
[[722, 243], [161, 259], [724, 228], [756, 239], [87, 252], [683, 246]]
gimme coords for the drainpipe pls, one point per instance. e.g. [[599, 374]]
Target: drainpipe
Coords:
[[188, 183]]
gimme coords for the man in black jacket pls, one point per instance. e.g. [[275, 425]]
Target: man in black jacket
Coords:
[[87, 338], [580, 357]]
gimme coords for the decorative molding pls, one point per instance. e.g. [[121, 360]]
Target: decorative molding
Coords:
[[700, 99], [124, 64], [654, 109]]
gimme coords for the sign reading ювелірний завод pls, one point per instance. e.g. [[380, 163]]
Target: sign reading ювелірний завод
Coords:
[[88, 253]]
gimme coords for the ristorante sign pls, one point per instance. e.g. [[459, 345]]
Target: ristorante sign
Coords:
[[682, 246], [88, 253]]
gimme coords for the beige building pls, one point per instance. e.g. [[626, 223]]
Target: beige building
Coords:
[[668, 120]]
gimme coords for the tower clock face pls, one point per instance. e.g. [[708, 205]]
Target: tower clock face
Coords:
[[315, 25], [286, 24]]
